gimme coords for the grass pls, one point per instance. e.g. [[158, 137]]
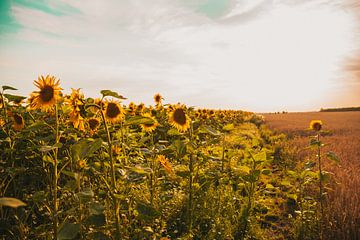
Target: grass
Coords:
[[342, 136]]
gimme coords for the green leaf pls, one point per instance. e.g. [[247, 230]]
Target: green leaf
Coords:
[[228, 127], [139, 170], [111, 93], [86, 195], [269, 186], [68, 231], [173, 132], [244, 169], [292, 196], [36, 125], [100, 236], [146, 210], [14, 98], [212, 131], [11, 202], [49, 148], [97, 220], [333, 157], [136, 120], [96, 208], [8, 88], [85, 147], [285, 183], [314, 142], [266, 171]]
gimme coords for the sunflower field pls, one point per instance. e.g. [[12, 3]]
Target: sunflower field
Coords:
[[75, 167]]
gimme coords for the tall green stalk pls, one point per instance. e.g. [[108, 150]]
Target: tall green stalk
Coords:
[[321, 187], [55, 177], [191, 169], [113, 178]]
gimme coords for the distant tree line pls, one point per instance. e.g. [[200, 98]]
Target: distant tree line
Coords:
[[345, 109]]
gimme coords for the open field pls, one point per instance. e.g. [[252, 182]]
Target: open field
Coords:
[[76, 167], [342, 136]]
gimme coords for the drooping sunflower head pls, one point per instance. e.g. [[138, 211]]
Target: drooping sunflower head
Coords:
[[150, 127], [18, 121], [76, 98], [316, 125], [158, 98], [94, 124], [140, 108], [49, 92], [179, 119], [114, 112]]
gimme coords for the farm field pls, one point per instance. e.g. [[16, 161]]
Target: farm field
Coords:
[[76, 167], [342, 136]]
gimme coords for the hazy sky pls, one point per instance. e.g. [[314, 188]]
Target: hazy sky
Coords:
[[258, 55]]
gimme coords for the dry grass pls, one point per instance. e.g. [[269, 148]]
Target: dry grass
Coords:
[[343, 139]]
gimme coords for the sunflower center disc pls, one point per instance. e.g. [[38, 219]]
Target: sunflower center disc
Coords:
[[179, 116], [47, 93], [112, 110], [18, 119]]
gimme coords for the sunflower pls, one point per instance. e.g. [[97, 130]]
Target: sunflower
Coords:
[[94, 124], [49, 94], [316, 125], [149, 127], [179, 119], [132, 108], [75, 101], [77, 120], [158, 99], [114, 112], [165, 163], [140, 108], [2, 122], [18, 121]]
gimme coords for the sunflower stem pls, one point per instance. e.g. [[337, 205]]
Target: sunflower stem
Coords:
[[4, 106], [55, 177], [191, 169], [320, 187], [113, 179]]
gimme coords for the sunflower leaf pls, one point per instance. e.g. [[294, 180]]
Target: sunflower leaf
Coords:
[[136, 120], [85, 147], [14, 98], [11, 202], [112, 94], [68, 231], [212, 131], [8, 88], [332, 156]]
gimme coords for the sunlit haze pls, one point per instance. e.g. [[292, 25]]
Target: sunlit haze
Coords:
[[254, 55]]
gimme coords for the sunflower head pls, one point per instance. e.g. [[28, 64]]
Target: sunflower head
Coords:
[[164, 162], [18, 121], [149, 127], [316, 125], [114, 112], [158, 98], [179, 119], [49, 92], [140, 108], [81, 164], [116, 149], [2, 122], [94, 124]]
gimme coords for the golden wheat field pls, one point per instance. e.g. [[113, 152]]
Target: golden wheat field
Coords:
[[342, 136]]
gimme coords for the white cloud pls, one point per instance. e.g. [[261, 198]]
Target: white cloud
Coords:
[[275, 57]]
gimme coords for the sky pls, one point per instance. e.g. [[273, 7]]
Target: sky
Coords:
[[256, 55]]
